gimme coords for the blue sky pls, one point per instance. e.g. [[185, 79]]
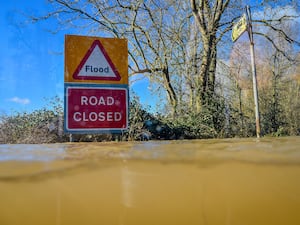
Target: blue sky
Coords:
[[32, 60]]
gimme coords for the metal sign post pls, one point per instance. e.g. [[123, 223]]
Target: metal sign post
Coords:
[[245, 23], [253, 67]]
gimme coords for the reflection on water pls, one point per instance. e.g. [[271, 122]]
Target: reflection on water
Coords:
[[234, 181]]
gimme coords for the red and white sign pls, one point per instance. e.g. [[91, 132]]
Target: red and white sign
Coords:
[[96, 108], [96, 65]]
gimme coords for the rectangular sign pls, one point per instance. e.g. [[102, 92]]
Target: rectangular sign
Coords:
[[95, 108], [239, 28], [96, 60]]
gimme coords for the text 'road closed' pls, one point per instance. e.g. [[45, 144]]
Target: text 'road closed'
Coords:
[[96, 108]]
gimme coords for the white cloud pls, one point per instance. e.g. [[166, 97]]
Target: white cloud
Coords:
[[22, 101]]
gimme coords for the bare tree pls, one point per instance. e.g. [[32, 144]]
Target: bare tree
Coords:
[[153, 28], [213, 23], [174, 43]]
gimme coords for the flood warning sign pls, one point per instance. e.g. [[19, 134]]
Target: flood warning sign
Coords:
[[96, 65]]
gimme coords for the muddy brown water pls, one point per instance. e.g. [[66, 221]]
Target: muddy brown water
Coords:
[[209, 182]]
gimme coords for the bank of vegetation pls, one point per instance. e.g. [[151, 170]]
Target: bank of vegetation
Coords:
[[45, 125], [185, 51]]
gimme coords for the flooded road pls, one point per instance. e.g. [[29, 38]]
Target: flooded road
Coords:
[[194, 182]]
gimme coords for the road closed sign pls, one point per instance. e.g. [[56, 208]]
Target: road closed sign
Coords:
[[94, 109]]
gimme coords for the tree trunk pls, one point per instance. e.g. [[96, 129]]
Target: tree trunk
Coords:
[[207, 74], [171, 92], [207, 16]]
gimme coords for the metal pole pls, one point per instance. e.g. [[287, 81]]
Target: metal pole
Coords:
[[255, 92]]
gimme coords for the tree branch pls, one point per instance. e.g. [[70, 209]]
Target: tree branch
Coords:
[[274, 45], [280, 31]]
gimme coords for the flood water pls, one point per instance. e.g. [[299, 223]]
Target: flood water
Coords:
[[209, 182]]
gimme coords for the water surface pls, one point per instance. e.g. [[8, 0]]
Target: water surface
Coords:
[[231, 181]]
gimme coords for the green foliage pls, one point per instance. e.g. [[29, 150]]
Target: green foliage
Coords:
[[193, 125], [137, 117], [40, 126]]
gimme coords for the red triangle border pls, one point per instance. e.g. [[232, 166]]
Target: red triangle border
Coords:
[[85, 58]]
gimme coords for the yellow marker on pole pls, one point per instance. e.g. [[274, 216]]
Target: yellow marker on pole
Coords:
[[239, 28]]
